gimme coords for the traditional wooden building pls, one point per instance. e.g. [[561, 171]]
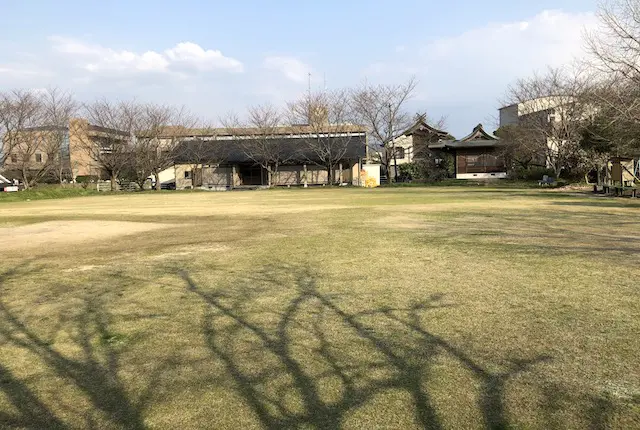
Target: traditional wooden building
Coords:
[[223, 160], [413, 143], [477, 156]]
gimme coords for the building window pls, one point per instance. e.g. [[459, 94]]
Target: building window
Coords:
[[474, 161], [400, 153], [14, 158], [187, 174], [38, 158]]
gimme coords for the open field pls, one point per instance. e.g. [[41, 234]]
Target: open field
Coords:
[[326, 308]]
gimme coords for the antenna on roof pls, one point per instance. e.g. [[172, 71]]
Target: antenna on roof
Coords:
[[309, 85], [325, 80]]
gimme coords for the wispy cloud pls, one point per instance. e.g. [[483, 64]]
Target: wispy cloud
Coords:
[[22, 71], [291, 67], [482, 60], [465, 76]]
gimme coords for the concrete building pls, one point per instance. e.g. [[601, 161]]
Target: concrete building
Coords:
[[550, 116], [550, 109], [69, 147]]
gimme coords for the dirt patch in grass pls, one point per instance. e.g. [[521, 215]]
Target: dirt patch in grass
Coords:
[[67, 232], [188, 251], [402, 222]]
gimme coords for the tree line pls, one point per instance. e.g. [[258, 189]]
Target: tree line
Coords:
[[134, 141]]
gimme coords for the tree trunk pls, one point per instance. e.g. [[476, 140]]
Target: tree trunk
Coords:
[[329, 174], [141, 183], [276, 179], [306, 182], [114, 182], [158, 184], [557, 171], [395, 166], [25, 179]]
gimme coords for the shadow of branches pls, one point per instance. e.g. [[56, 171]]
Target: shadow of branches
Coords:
[[297, 356], [283, 363], [90, 365]]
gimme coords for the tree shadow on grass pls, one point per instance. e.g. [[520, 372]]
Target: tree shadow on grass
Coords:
[[603, 202], [283, 362], [93, 370]]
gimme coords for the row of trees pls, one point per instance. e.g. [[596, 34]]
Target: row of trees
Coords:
[[38, 133], [133, 141], [574, 119]]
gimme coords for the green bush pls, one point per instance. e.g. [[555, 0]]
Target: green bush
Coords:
[[422, 171], [532, 173]]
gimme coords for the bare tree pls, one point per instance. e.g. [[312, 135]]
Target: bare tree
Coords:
[[202, 151], [159, 131], [34, 129], [107, 135], [382, 109], [615, 51], [553, 111], [59, 108], [327, 130], [19, 110], [258, 138], [615, 45]]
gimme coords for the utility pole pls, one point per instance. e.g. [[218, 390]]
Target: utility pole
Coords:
[[393, 146], [309, 107]]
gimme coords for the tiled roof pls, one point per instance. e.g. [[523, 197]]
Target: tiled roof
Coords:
[[293, 149], [172, 131]]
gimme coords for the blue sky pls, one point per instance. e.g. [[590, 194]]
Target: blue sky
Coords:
[[216, 56]]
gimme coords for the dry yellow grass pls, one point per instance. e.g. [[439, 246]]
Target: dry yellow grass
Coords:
[[343, 308]]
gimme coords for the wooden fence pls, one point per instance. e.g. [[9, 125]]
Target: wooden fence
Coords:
[[125, 186]]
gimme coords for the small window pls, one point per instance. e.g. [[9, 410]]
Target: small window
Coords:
[[38, 158], [187, 174], [14, 158], [400, 153]]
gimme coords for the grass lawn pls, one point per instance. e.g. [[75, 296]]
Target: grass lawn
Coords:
[[450, 307]]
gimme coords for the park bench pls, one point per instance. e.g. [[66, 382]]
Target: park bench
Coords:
[[620, 190], [546, 181]]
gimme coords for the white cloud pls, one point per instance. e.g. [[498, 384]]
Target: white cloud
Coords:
[[291, 67], [471, 71], [552, 37], [189, 53], [185, 56]]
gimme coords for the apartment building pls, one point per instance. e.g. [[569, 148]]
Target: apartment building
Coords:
[[63, 151]]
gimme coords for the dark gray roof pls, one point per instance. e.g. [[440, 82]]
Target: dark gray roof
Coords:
[[293, 149], [421, 126], [477, 139], [479, 143], [478, 133]]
